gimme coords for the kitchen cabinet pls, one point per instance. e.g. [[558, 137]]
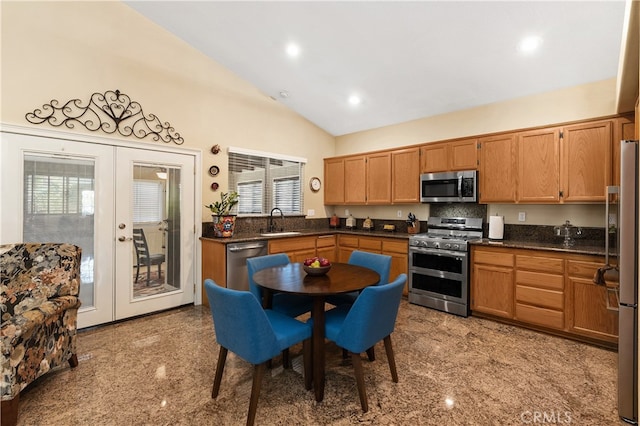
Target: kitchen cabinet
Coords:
[[378, 178], [492, 281], [334, 181], [355, 180], [498, 171], [623, 129], [547, 290], [405, 176], [586, 161], [326, 247], [449, 156], [588, 314], [539, 290], [214, 264], [539, 166], [297, 248], [396, 248]]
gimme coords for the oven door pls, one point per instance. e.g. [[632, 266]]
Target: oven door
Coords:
[[439, 274]]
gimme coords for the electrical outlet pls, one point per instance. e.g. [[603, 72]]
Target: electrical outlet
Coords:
[[399, 213], [346, 212], [311, 212], [522, 216]]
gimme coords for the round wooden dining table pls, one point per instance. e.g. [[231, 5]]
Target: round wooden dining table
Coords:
[[291, 278]]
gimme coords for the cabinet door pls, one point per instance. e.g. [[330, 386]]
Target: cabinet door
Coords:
[[214, 265], [333, 181], [624, 129], [539, 166], [405, 176], [379, 178], [326, 247], [492, 290], [463, 155], [586, 161], [355, 178], [498, 169], [434, 158]]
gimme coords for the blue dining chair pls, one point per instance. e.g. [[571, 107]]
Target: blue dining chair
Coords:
[[291, 305], [360, 326], [254, 334], [381, 263]]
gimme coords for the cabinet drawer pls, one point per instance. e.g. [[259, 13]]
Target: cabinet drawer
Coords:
[[540, 279], [348, 241], [577, 268], [285, 245], [395, 246], [493, 258], [370, 244], [540, 297], [543, 264], [326, 241], [540, 316]]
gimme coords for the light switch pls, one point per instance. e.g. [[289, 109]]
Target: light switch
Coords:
[[311, 212]]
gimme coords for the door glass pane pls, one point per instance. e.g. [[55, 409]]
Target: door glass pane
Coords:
[[156, 230], [59, 207]]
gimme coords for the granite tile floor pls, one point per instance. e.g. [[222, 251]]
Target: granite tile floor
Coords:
[[158, 370]]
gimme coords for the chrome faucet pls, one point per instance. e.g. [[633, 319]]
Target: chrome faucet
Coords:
[[271, 226]]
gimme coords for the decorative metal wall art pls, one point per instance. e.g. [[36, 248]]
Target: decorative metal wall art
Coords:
[[109, 112]]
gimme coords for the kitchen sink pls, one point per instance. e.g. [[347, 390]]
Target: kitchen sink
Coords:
[[280, 234]]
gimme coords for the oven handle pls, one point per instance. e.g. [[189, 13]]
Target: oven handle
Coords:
[[460, 186], [437, 252]]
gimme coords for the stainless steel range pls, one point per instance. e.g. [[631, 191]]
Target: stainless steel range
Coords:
[[439, 264]]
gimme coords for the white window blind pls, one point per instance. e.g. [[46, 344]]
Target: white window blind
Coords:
[[264, 181], [148, 198]]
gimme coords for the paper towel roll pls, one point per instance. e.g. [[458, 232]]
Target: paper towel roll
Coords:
[[496, 227]]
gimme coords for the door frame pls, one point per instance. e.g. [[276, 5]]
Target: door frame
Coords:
[[120, 142]]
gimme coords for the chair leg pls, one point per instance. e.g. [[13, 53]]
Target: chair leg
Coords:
[[345, 353], [148, 273], [307, 355], [286, 359], [9, 410], [137, 273], [371, 353], [73, 361], [391, 357], [222, 358], [357, 368], [258, 372], [159, 271]]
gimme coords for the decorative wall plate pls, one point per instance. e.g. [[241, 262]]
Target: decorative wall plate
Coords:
[[214, 186], [214, 170], [215, 149]]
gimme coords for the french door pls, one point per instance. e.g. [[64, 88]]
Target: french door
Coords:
[[97, 195]]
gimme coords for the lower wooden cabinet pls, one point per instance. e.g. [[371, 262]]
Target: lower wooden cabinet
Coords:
[[545, 289], [214, 264], [297, 248]]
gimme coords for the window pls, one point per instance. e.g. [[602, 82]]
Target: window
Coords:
[[148, 196], [264, 181]]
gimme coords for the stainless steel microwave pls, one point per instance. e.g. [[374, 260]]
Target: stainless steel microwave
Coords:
[[449, 187]]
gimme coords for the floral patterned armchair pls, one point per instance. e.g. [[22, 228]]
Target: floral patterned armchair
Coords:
[[39, 304]]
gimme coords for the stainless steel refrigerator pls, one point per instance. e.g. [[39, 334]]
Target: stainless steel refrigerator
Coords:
[[628, 291]]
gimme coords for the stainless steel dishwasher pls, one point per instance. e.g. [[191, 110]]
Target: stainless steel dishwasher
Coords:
[[237, 255]]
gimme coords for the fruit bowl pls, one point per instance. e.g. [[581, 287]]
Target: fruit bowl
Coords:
[[320, 270]]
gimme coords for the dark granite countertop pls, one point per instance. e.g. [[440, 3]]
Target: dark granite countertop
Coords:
[[579, 248], [246, 237]]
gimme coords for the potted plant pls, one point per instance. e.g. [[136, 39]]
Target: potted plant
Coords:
[[223, 220]]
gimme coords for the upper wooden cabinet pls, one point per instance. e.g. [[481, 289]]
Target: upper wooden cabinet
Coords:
[[539, 166], [449, 156], [334, 181], [378, 180], [497, 169], [586, 161], [405, 176], [623, 129], [355, 178]]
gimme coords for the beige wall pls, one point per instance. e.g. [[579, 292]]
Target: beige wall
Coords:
[[66, 50]]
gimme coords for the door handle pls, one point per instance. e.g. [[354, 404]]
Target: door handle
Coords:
[[123, 238]]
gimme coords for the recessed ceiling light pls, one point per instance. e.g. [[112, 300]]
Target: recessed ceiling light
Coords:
[[284, 94], [293, 50], [354, 100], [530, 44]]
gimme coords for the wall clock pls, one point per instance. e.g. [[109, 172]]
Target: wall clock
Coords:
[[315, 184]]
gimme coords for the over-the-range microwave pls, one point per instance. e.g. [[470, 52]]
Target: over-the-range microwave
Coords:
[[449, 187]]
